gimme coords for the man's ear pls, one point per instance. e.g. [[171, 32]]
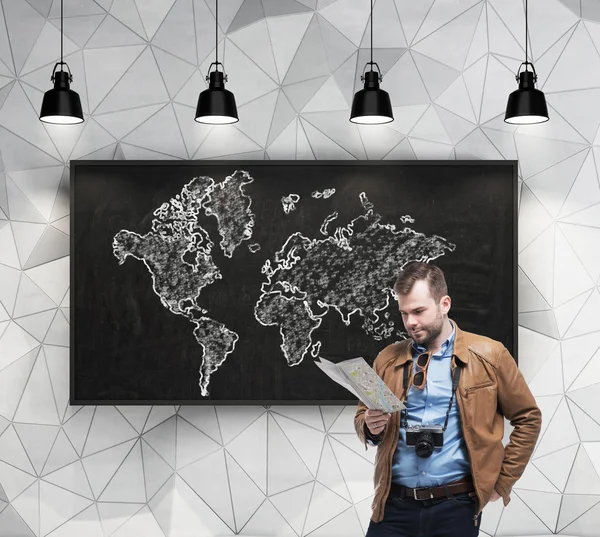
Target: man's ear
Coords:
[[446, 303]]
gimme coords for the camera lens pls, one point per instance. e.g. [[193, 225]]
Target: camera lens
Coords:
[[424, 445]]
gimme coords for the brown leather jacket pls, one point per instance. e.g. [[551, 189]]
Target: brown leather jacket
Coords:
[[491, 387]]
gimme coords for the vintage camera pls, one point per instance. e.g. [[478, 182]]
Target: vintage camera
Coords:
[[425, 438]]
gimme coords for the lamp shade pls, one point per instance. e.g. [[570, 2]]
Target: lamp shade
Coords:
[[61, 105], [526, 105], [371, 105], [216, 105]]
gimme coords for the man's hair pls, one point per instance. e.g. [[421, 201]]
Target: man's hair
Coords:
[[416, 271]]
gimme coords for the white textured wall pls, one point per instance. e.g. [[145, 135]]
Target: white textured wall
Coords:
[[285, 471]]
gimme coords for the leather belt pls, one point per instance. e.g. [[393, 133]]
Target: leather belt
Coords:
[[430, 493]]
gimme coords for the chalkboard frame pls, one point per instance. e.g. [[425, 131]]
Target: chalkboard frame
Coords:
[[512, 169]]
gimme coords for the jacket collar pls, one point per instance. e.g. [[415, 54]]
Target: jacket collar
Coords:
[[460, 351]]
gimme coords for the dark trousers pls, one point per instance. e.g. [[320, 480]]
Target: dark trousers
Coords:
[[441, 517]]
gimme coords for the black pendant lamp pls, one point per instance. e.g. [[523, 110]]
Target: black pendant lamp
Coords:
[[216, 105], [61, 105], [526, 105], [371, 105]]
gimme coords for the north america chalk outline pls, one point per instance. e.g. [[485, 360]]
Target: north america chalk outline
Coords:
[[178, 254]]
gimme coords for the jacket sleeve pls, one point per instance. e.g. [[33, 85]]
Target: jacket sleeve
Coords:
[[517, 405], [359, 419], [359, 423]]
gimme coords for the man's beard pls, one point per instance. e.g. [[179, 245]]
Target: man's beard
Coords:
[[431, 331]]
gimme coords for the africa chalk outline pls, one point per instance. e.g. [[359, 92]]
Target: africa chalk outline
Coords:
[[343, 242]]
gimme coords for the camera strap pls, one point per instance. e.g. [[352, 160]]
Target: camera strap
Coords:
[[405, 384]]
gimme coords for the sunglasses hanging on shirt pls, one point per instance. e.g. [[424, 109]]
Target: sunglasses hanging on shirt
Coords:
[[420, 377]]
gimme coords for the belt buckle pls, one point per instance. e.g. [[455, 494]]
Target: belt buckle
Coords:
[[416, 493]]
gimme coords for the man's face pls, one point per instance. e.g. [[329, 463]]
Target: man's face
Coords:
[[423, 318]]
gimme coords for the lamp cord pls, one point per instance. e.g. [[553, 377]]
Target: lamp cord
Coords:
[[371, 35], [217, 34], [526, 36], [61, 34]]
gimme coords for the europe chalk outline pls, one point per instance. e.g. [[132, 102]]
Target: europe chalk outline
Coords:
[[291, 278]]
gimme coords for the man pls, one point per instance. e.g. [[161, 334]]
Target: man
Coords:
[[435, 484]]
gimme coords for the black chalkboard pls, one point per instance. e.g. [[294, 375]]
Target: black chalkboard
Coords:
[[178, 266]]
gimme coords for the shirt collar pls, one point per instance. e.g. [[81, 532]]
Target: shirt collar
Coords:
[[446, 346]]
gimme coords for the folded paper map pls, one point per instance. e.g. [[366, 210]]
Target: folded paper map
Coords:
[[359, 378]]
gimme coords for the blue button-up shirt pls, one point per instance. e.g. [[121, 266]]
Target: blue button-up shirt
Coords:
[[428, 406]]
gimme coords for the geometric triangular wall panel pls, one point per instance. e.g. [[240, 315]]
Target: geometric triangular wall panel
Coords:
[[293, 66]]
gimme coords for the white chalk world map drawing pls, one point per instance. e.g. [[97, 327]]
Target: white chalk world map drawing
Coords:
[[289, 203], [308, 277], [345, 271], [177, 252]]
